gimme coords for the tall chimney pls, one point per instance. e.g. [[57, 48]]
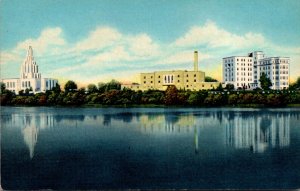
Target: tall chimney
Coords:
[[195, 61]]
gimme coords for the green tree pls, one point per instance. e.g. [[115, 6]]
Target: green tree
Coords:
[[171, 95], [56, 88], [92, 88], [219, 88], [113, 85], [229, 87], [27, 91], [295, 85], [2, 87], [101, 87], [210, 79], [232, 99], [265, 82], [70, 86]]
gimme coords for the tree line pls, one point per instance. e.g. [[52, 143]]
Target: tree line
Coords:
[[111, 94]]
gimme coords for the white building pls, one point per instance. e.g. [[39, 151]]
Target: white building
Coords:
[[245, 71], [30, 78]]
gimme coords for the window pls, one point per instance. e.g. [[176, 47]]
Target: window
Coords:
[[194, 75], [202, 85], [187, 86], [195, 80], [158, 76], [187, 80], [151, 81], [144, 82], [159, 82], [187, 75], [144, 77], [178, 81], [178, 76], [151, 76]]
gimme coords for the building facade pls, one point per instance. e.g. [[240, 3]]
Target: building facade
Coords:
[[30, 78], [245, 71], [182, 79]]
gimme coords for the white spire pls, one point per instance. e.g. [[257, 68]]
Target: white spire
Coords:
[[29, 52]]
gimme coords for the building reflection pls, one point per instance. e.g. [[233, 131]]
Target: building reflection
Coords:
[[31, 127], [253, 130], [258, 132], [30, 133]]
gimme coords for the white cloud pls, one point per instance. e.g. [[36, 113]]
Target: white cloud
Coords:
[[213, 36], [49, 38], [7, 57], [143, 46], [100, 38], [106, 53]]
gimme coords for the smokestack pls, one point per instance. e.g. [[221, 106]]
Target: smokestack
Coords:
[[195, 61]]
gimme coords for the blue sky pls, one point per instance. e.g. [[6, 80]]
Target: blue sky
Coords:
[[97, 40]]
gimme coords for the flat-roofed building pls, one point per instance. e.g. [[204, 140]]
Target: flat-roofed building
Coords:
[[245, 71], [182, 79]]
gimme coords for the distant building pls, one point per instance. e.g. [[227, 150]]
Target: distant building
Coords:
[[245, 71], [182, 79], [30, 78]]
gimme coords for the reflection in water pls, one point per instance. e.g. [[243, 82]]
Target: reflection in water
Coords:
[[256, 131], [30, 138], [196, 140], [259, 132], [31, 127]]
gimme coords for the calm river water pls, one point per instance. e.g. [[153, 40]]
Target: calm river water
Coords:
[[93, 148]]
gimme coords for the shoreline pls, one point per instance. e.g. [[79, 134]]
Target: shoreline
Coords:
[[156, 106]]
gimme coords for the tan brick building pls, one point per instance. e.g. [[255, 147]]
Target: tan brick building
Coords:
[[182, 79]]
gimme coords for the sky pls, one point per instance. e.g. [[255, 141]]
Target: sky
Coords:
[[91, 41]]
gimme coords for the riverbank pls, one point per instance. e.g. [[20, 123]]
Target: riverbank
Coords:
[[159, 106], [156, 98]]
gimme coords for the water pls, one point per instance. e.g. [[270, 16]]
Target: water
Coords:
[[92, 148]]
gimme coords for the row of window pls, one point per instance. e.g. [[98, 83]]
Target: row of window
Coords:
[[276, 73], [284, 77], [244, 74], [244, 79], [169, 80], [10, 84], [26, 84], [244, 69], [277, 67], [50, 84], [243, 64], [242, 60], [34, 69], [273, 61], [195, 75], [186, 86]]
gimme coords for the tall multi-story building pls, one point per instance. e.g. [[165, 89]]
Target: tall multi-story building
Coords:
[[245, 71], [30, 78], [182, 79]]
